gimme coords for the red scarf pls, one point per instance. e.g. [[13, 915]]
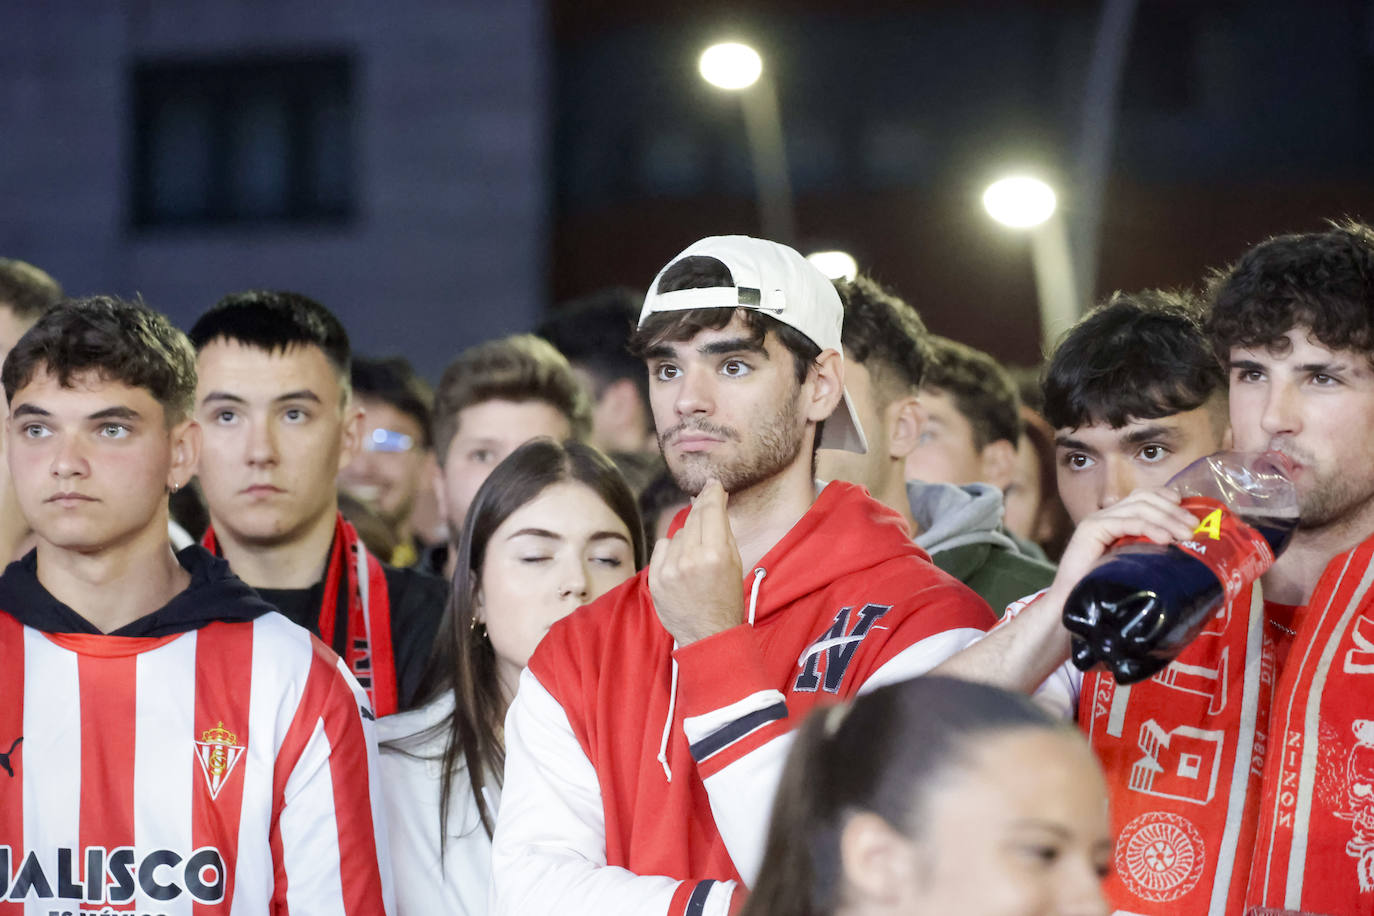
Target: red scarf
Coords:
[[1234, 788], [366, 639]]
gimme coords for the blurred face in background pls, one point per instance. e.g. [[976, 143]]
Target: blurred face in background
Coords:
[[389, 469], [487, 433]]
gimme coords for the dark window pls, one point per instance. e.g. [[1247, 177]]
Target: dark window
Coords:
[[262, 139]]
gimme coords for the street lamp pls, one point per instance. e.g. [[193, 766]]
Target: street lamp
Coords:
[[837, 265], [730, 65], [1020, 201], [1027, 203], [737, 67]]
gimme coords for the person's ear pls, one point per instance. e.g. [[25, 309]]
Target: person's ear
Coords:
[[876, 860], [826, 386], [904, 417], [998, 461], [184, 441], [351, 434]]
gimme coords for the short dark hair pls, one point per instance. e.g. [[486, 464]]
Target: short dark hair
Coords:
[[275, 321], [120, 341], [392, 380], [697, 272], [1138, 356], [981, 390], [25, 289], [884, 334], [593, 332], [1322, 282], [518, 368]]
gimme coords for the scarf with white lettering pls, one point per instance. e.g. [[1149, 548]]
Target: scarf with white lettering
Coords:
[[1237, 788], [355, 588]]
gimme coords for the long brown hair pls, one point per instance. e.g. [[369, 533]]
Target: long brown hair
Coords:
[[464, 661]]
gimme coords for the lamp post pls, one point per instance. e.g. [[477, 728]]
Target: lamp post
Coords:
[[736, 67], [1027, 203]]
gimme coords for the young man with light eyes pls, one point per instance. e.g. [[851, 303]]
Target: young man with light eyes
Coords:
[[168, 743], [279, 423]]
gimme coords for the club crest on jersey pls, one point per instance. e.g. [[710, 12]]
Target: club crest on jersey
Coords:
[[218, 751], [836, 647]]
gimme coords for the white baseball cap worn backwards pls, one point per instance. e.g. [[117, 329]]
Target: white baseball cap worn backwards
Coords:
[[775, 280]]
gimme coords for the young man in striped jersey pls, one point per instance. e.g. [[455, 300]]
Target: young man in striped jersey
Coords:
[[649, 731], [280, 422], [170, 745]]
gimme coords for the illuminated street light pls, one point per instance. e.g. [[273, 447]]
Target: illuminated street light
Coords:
[[739, 68], [731, 65], [1028, 203], [837, 265], [1020, 201]]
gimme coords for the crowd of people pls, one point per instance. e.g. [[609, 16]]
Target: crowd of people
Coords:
[[743, 594]]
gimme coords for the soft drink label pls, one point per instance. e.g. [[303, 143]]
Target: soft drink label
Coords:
[[1235, 552]]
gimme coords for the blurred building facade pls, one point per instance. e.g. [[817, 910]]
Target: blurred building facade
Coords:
[[390, 160]]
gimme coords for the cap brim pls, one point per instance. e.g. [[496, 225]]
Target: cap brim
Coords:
[[842, 429]]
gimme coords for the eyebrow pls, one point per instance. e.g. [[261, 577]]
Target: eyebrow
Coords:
[[554, 536], [1070, 442], [304, 394], [109, 413], [1035, 823], [1153, 431], [711, 348]]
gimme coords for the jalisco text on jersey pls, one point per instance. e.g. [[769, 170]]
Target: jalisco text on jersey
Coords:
[[113, 876]]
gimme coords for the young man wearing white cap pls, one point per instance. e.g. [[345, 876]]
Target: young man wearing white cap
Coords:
[[648, 734]]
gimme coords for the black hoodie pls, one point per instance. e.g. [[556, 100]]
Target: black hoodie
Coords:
[[214, 594]]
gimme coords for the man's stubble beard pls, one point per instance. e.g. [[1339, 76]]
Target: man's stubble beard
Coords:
[[771, 449]]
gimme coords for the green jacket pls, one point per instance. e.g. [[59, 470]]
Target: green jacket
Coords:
[[961, 529]]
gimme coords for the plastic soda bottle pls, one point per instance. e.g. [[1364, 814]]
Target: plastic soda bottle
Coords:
[[1142, 602]]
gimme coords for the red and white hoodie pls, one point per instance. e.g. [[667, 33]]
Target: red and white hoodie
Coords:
[[640, 776]]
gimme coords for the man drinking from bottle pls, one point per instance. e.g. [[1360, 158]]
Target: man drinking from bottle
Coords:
[[1242, 775]]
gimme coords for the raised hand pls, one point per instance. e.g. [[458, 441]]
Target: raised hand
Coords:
[[695, 578]]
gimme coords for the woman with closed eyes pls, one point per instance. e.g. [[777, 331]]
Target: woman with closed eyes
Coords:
[[552, 528]]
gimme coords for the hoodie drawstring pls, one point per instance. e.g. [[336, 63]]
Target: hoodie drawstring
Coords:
[[668, 723], [759, 573]]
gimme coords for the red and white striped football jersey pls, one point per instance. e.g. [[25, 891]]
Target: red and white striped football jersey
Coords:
[[226, 769]]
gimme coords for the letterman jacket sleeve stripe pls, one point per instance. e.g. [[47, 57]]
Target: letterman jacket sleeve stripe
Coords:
[[715, 731], [328, 837], [742, 789], [549, 852]]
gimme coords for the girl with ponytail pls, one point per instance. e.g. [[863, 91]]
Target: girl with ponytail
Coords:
[[936, 796]]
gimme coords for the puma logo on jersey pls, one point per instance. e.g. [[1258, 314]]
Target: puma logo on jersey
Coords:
[[836, 647], [5, 757]]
